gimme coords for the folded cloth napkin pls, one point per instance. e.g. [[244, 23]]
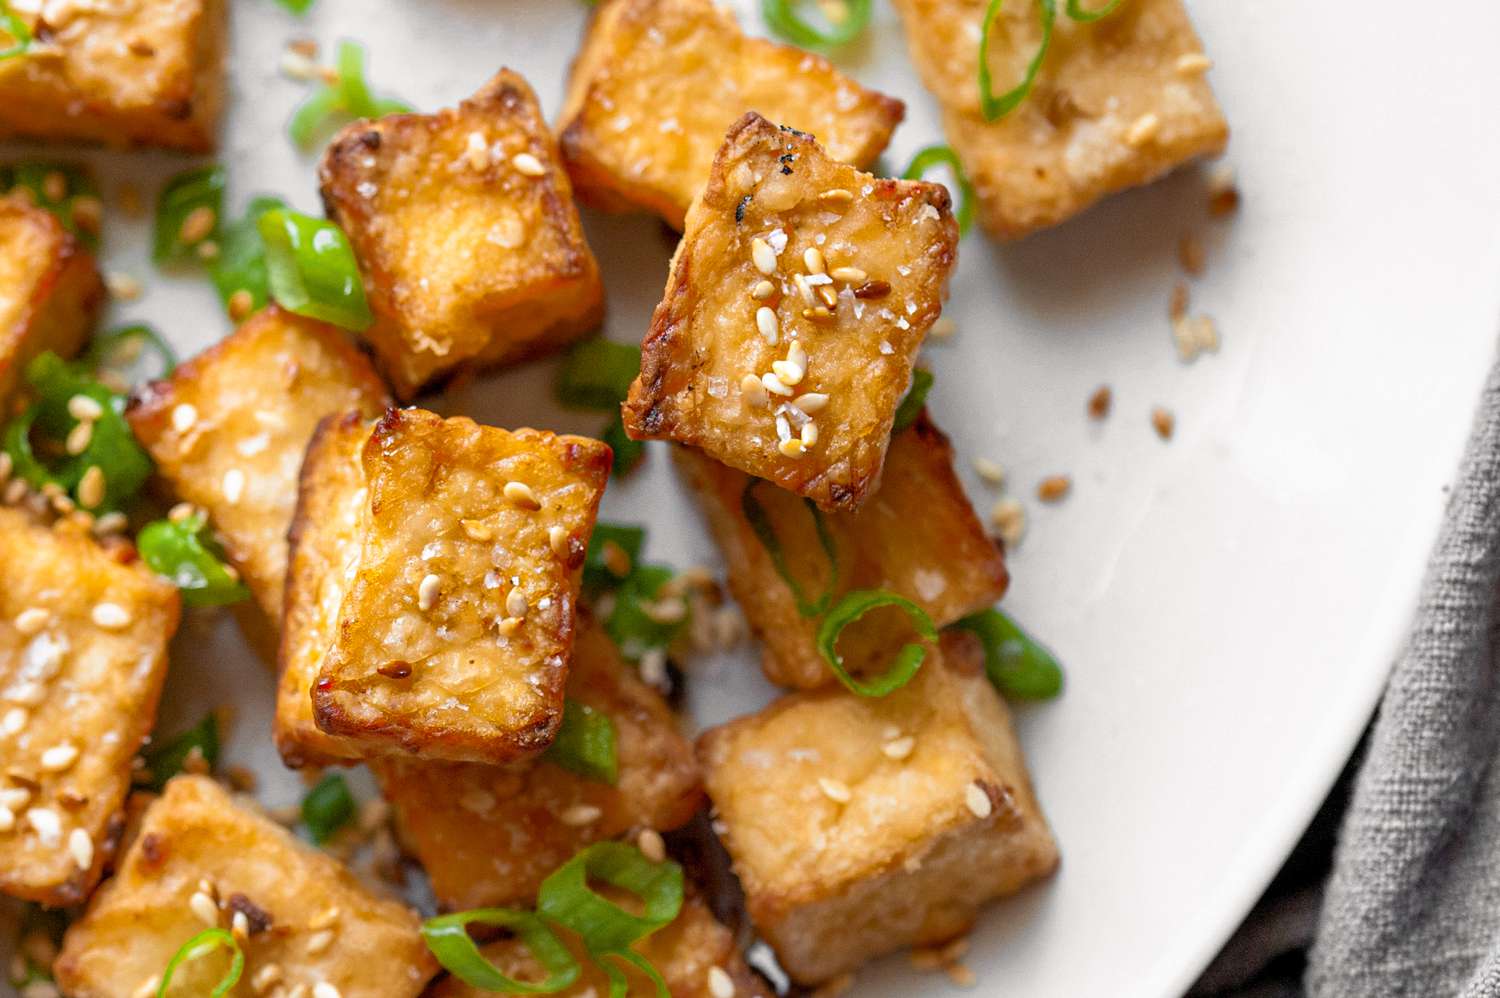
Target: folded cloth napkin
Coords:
[[1412, 907]]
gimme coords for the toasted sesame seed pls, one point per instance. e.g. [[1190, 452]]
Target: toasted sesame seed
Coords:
[[233, 486], [773, 384], [81, 847], [59, 757], [849, 275], [526, 163], [181, 511], [477, 151], [796, 354], [47, 825], [763, 291], [84, 408], [324, 918], [31, 620], [477, 530], [990, 471], [515, 603], [804, 289], [1099, 402], [318, 942], [835, 790], [1193, 63], [753, 392], [557, 540], [520, 493], [79, 437], [13, 721], [899, 748], [239, 926], [978, 800], [1053, 488], [1009, 518], [762, 256], [812, 259], [650, 843], [110, 616], [197, 225], [720, 984], [616, 559], [811, 402], [788, 373], [837, 198], [240, 304], [818, 314], [791, 447], [54, 185], [265, 977], [1223, 194], [110, 523], [427, 591], [1190, 253], [15, 798], [184, 415], [767, 323], [122, 286], [580, 814], [809, 434], [7, 819], [325, 990], [1143, 129], [960, 975], [1163, 422], [204, 907]]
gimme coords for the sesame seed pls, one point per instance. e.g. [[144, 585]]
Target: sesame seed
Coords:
[[508, 626], [515, 603], [762, 256], [265, 977], [526, 163], [13, 721], [978, 800], [557, 540], [1163, 422], [296, 66], [809, 434], [650, 843], [790, 448], [1223, 194], [239, 925], [324, 918], [520, 493], [720, 984], [31, 620], [318, 942], [477, 530], [1193, 63], [1190, 253], [79, 437], [1143, 129], [7, 819], [1054, 488], [91, 485], [204, 907], [899, 748], [47, 825], [325, 990], [767, 323], [835, 790], [14, 798], [990, 471], [197, 225], [7, 465], [811, 402], [812, 258], [427, 591], [181, 511], [84, 409], [110, 616], [54, 185], [653, 669], [477, 151], [580, 814], [240, 304], [763, 291], [233, 486], [81, 847], [59, 757], [753, 392], [849, 275], [183, 417], [110, 523], [787, 372], [1009, 518], [773, 384], [804, 288], [616, 559], [886, 349], [837, 198], [478, 800], [122, 286]]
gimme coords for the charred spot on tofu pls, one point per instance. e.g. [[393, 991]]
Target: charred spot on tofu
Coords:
[[132, 72], [917, 536], [858, 826], [658, 81], [254, 399], [1118, 102], [83, 653], [466, 233], [489, 835], [760, 353], [50, 290], [203, 860], [460, 574]]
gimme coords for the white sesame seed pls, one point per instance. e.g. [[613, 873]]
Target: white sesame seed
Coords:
[[804, 288], [427, 591], [81, 847], [978, 800], [266, 976], [14, 720], [944, 328], [812, 258], [477, 151], [885, 347], [197, 225], [204, 907], [811, 402], [849, 275], [233, 486], [774, 385], [318, 942], [110, 616], [14, 798], [762, 256], [184, 416], [84, 409], [899, 748], [753, 392], [580, 814], [653, 668], [767, 323], [239, 925], [557, 540], [790, 448], [91, 485], [477, 530], [325, 990], [991, 471], [508, 626], [720, 984], [110, 523], [795, 354], [520, 493], [650, 843], [1193, 63], [809, 434], [1009, 518], [787, 372], [7, 819], [783, 430], [478, 800], [777, 239], [79, 437], [47, 825], [834, 790], [1143, 129], [763, 290], [526, 163], [515, 603], [122, 286], [31, 620], [59, 757], [837, 197]]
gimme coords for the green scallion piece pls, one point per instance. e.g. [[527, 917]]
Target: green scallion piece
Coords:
[[634, 630], [785, 20], [626, 453], [765, 532], [619, 984], [241, 263], [447, 936], [1018, 665], [116, 351], [297, 6], [327, 807], [20, 35], [992, 107], [166, 760], [59, 188], [566, 898], [198, 947], [597, 575], [187, 214], [913, 401], [596, 374], [314, 114], [311, 269], [348, 98], [180, 551], [585, 744], [940, 155], [1078, 13], [906, 661]]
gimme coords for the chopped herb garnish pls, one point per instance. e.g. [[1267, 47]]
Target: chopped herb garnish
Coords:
[[585, 743], [995, 107], [1077, 12], [166, 760], [67, 191], [113, 354], [609, 543], [198, 947], [906, 661], [447, 936], [1016, 663], [566, 898], [765, 532], [20, 35], [311, 269], [187, 214], [346, 99], [181, 551], [636, 623], [626, 453], [941, 155], [596, 374], [327, 807], [240, 268], [843, 21], [913, 401], [297, 6]]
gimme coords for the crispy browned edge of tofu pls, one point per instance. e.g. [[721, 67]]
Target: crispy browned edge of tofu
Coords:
[[61, 310], [509, 94]]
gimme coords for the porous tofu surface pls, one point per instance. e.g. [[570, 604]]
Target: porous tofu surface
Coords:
[[304, 912], [83, 653], [780, 218], [917, 536], [466, 233], [489, 835], [684, 952], [1117, 102], [658, 81], [129, 72], [454, 634], [228, 430], [50, 288], [851, 842]]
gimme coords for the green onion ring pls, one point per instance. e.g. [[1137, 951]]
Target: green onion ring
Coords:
[[448, 938], [586, 744], [309, 117], [327, 807], [23, 460], [566, 898], [993, 108], [177, 551], [941, 155], [913, 401], [12, 24], [101, 346], [907, 661], [184, 195], [1077, 12], [782, 18], [619, 986], [200, 945], [312, 270], [760, 523], [1016, 663]]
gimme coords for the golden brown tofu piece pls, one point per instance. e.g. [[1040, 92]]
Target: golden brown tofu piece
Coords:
[[304, 913], [129, 72], [50, 289], [466, 232], [1117, 102], [658, 81], [745, 353], [858, 826], [489, 835], [685, 953], [456, 624], [229, 428], [917, 537], [83, 652]]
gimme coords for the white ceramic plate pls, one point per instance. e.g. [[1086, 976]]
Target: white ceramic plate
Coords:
[[1227, 603]]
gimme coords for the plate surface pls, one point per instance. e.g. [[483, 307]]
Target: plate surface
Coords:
[[1227, 604]]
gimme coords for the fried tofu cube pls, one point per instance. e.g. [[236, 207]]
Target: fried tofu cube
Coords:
[[50, 290], [917, 537], [658, 81], [456, 616], [687, 953], [199, 855], [83, 653], [489, 835], [466, 232], [132, 72], [798, 298], [859, 825], [1118, 102], [228, 430]]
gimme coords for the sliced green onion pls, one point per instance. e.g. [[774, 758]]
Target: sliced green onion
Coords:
[[313, 114], [597, 575], [619, 985], [596, 374], [908, 659], [566, 898], [192, 195], [241, 263], [994, 107], [179, 551], [765, 532], [327, 807], [448, 938], [297, 6], [17, 444], [1077, 12], [1016, 663], [40, 181], [166, 760], [349, 98], [941, 155], [116, 350], [783, 18], [913, 401], [625, 453], [201, 945], [585, 744], [20, 34], [311, 269], [350, 63], [634, 630]]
